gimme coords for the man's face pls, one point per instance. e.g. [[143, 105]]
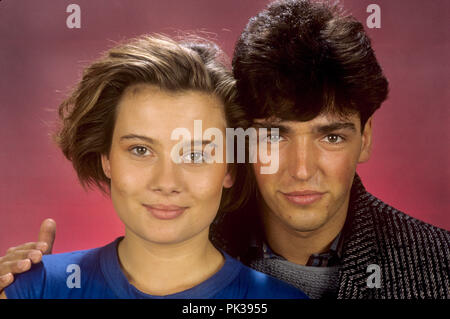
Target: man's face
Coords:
[[317, 163]]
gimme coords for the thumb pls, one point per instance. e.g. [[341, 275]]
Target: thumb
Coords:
[[47, 234]]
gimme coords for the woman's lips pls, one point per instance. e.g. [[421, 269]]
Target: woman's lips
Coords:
[[165, 212], [303, 198]]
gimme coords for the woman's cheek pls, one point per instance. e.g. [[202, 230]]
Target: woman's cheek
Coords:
[[206, 184], [127, 179]]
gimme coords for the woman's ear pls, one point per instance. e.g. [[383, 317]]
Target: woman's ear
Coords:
[[106, 165], [228, 181], [366, 145]]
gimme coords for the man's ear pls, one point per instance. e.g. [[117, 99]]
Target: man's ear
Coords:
[[106, 165], [366, 146]]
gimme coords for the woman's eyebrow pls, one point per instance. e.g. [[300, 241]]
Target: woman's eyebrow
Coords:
[[153, 141], [140, 137], [328, 128], [195, 143]]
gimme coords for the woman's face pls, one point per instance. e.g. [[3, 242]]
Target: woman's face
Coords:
[[157, 199]]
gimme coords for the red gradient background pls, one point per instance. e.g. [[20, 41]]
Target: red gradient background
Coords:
[[40, 59]]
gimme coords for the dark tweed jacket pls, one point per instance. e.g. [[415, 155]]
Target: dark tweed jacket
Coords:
[[413, 256]]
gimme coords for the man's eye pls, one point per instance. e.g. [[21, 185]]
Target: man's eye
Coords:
[[140, 151], [334, 139], [272, 138], [194, 157]]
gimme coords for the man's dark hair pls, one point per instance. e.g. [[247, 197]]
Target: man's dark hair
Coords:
[[299, 58]]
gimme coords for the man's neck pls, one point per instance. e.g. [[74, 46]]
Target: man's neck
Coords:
[[169, 268], [298, 246]]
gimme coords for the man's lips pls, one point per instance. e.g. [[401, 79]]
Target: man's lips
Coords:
[[165, 212], [304, 197]]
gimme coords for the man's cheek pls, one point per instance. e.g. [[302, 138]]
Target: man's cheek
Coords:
[[339, 172], [338, 163]]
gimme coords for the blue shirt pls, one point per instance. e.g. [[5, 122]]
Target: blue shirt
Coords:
[[96, 273]]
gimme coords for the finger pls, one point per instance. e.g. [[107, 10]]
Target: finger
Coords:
[[15, 267], [6, 280], [34, 255], [42, 246], [47, 234]]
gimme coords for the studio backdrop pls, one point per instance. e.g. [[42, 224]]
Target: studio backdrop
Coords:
[[45, 44]]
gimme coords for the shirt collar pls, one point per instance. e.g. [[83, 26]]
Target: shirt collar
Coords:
[[329, 258]]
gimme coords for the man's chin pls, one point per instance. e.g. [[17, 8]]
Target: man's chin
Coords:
[[305, 221], [307, 228]]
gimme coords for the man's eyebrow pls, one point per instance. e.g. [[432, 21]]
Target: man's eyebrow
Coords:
[[139, 137], [327, 128], [283, 129]]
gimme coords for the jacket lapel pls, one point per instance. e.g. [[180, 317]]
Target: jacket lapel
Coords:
[[360, 246]]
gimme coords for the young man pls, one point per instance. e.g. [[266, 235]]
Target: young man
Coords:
[[309, 70]]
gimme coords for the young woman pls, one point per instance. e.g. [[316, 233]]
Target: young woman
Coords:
[[118, 130]]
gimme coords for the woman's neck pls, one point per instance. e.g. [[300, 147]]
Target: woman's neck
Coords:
[[164, 269]]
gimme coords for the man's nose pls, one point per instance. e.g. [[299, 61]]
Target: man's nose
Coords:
[[166, 177], [302, 159]]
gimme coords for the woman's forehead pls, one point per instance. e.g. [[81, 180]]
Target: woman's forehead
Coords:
[[155, 110]]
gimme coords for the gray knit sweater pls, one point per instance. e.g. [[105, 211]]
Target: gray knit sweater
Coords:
[[413, 256], [316, 282]]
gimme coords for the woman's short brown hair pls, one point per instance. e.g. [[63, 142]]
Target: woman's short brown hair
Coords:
[[88, 114]]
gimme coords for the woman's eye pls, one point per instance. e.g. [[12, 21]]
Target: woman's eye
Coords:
[[334, 139], [194, 157], [140, 151]]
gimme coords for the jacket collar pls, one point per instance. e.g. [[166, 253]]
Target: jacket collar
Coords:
[[360, 245]]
